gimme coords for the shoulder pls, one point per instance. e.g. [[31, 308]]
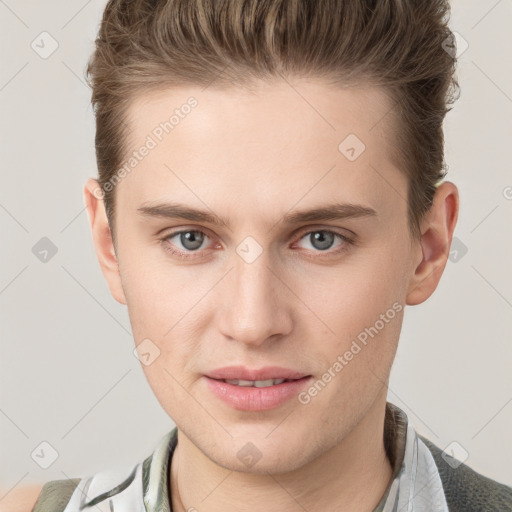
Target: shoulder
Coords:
[[20, 498], [55, 495], [116, 488], [465, 489]]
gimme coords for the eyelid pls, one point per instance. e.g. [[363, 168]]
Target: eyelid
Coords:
[[346, 233], [346, 242], [178, 231]]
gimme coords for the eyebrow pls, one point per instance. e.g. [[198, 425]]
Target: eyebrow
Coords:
[[336, 211]]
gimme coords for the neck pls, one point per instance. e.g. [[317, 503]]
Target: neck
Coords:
[[352, 476]]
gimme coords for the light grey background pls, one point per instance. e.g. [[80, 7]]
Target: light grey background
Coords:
[[67, 372]]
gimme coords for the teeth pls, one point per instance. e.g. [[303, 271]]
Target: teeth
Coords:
[[255, 383]]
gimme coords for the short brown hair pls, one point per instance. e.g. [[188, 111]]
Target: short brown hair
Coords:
[[396, 44]]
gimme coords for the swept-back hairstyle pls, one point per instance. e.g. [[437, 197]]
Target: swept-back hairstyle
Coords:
[[400, 45]]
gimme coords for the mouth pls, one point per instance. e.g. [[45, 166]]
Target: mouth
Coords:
[[259, 394], [259, 377], [258, 383]]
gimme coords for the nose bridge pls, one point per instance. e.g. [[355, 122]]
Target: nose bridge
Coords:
[[254, 309]]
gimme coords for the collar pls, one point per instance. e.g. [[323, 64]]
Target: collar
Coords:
[[415, 484]]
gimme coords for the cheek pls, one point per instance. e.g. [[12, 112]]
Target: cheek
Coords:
[[360, 306], [357, 291], [158, 294], [169, 386]]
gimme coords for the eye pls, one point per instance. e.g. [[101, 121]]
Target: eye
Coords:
[[187, 241], [321, 240], [190, 243]]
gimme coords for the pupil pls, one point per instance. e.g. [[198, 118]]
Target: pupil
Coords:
[[191, 239], [325, 239]]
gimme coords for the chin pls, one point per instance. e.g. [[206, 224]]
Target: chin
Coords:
[[277, 463], [262, 453]]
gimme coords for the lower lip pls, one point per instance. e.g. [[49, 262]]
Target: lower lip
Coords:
[[256, 399]]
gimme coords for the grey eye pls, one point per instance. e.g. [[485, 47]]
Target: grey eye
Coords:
[[321, 240], [191, 240]]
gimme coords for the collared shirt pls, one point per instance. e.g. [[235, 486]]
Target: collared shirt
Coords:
[[415, 484]]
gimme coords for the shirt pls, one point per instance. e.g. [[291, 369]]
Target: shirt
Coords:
[[424, 479]]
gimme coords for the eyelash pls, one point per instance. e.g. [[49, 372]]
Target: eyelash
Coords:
[[195, 254]]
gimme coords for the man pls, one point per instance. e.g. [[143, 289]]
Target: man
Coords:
[[269, 201]]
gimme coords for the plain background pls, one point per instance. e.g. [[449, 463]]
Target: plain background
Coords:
[[68, 375]]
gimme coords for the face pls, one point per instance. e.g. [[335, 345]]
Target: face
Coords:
[[256, 281]]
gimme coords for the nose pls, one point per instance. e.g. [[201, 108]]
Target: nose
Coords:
[[254, 302]]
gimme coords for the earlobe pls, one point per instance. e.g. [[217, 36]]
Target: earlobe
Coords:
[[102, 239], [436, 238]]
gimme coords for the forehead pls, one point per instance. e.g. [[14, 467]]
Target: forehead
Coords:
[[274, 144], [310, 108]]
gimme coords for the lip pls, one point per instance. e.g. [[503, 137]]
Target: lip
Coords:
[[256, 399], [252, 398], [244, 373]]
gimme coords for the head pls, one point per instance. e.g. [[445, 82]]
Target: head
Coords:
[[309, 134]]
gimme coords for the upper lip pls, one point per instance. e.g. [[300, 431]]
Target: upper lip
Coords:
[[243, 373]]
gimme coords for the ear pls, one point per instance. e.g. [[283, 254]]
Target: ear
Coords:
[[436, 237], [105, 251]]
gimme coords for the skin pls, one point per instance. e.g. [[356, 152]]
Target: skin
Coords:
[[19, 499], [251, 157]]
